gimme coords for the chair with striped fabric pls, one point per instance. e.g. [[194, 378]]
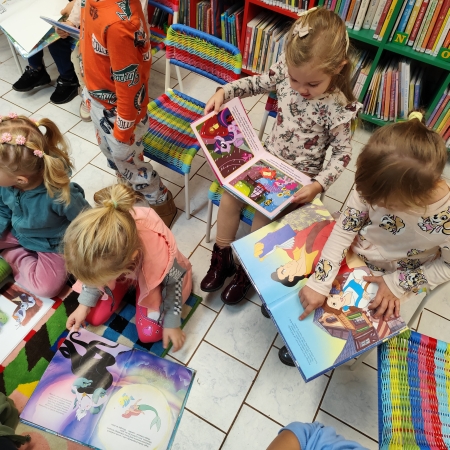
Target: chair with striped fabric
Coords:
[[170, 140], [414, 393], [214, 196]]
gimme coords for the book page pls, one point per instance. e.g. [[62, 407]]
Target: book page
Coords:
[[227, 139], [20, 311], [73, 32]]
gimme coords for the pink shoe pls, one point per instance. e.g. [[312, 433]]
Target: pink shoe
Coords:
[[148, 329], [106, 305]]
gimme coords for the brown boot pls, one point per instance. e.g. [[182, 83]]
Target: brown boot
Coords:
[[237, 289], [167, 210], [222, 266]]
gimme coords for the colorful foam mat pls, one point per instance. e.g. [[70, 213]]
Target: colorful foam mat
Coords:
[[414, 392]]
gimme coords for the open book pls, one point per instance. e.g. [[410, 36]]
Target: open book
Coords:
[[279, 258], [20, 311], [241, 164], [107, 396], [72, 31]]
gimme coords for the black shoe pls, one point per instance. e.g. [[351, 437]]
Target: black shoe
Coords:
[[285, 357], [31, 78], [222, 266], [264, 311], [237, 289], [65, 91]]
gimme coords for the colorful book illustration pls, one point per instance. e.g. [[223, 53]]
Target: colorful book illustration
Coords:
[[105, 395], [72, 31], [241, 164], [20, 311], [279, 258]]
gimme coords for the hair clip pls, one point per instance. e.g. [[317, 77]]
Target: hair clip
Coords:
[[13, 115], [38, 153], [300, 30], [416, 115], [6, 137], [305, 13], [20, 140]]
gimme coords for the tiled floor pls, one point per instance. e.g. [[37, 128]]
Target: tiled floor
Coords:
[[242, 394]]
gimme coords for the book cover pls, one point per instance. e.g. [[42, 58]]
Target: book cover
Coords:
[[241, 164], [72, 31], [279, 258], [20, 311], [105, 395]]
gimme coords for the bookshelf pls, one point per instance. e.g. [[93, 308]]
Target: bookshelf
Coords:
[[379, 49]]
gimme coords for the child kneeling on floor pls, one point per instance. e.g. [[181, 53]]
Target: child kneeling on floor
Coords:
[[37, 202], [114, 245], [397, 219]]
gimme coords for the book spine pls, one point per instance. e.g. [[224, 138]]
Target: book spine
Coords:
[[431, 25], [387, 95], [392, 99], [338, 6], [413, 17], [373, 5], [333, 5], [442, 106], [405, 97], [349, 13], [257, 47], [361, 14], [440, 122], [377, 15], [438, 27], [355, 13], [387, 7], [387, 20], [425, 24], [396, 95], [248, 38], [238, 31], [381, 96], [411, 93], [444, 40], [345, 9], [395, 27], [418, 22], [447, 39], [443, 122], [430, 121], [405, 16]]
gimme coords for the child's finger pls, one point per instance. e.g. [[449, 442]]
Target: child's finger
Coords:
[[397, 308], [165, 341], [381, 309], [389, 311], [308, 310]]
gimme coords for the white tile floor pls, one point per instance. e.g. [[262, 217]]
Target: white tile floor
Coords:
[[242, 394]]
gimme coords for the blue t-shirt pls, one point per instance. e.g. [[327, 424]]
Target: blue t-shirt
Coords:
[[315, 436]]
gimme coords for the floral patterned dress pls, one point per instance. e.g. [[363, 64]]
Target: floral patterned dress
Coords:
[[304, 128]]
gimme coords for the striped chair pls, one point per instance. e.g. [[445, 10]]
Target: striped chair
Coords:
[[170, 140], [214, 196], [414, 393], [157, 39]]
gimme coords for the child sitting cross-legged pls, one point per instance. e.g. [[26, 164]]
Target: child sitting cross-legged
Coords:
[[316, 108], [37, 202], [115, 245]]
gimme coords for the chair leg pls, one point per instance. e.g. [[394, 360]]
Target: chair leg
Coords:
[[167, 79], [180, 80], [186, 196], [16, 58], [208, 222], [263, 125]]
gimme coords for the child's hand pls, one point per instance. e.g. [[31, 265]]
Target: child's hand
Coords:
[[385, 302], [61, 33], [310, 300], [215, 102], [307, 193], [176, 335], [67, 9], [77, 318]]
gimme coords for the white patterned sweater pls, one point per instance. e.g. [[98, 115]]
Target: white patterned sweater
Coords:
[[410, 249], [304, 128]]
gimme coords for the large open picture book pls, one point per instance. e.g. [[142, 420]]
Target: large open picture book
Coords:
[[241, 164], [279, 258], [107, 396]]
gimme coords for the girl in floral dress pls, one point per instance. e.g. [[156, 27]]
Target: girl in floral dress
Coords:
[[316, 108]]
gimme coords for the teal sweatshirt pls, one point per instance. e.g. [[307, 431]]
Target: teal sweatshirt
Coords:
[[36, 220]]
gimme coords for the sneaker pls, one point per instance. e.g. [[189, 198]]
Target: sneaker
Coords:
[[65, 91], [85, 114], [31, 78], [285, 357]]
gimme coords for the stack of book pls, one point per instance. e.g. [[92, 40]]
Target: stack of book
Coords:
[[394, 90], [361, 69], [183, 12], [204, 17], [264, 41], [439, 119], [159, 19], [231, 24], [292, 5]]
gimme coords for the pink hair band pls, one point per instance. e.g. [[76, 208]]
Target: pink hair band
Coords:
[[38, 153], [5, 137]]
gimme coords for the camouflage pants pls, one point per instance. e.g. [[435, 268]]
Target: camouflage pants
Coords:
[[126, 159]]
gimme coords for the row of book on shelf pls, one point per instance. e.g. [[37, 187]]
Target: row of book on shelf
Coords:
[[292, 5], [439, 118], [423, 25]]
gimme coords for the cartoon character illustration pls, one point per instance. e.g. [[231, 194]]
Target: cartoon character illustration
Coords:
[[26, 303], [234, 136], [105, 125], [412, 280], [354, 219], [438, 223], [323, 268], [93, 379], [136, 410], [247, 157], [392, 223], [268, 202], [142, 172]]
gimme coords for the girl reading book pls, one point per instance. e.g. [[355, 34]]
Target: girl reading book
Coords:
[[400, 219], [37, 202], [316, 108], [116, 244]]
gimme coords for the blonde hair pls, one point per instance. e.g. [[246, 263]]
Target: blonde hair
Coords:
[[100, 245], [402, 161], [326, 44], [54, 165]]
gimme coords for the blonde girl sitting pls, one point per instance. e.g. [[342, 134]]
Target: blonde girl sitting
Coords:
[[116, 244], [37, 202], [316, 107]]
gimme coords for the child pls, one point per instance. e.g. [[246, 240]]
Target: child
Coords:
[[115, 62], [37, 202], [397, 219], [316, 107], [114, 242]]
